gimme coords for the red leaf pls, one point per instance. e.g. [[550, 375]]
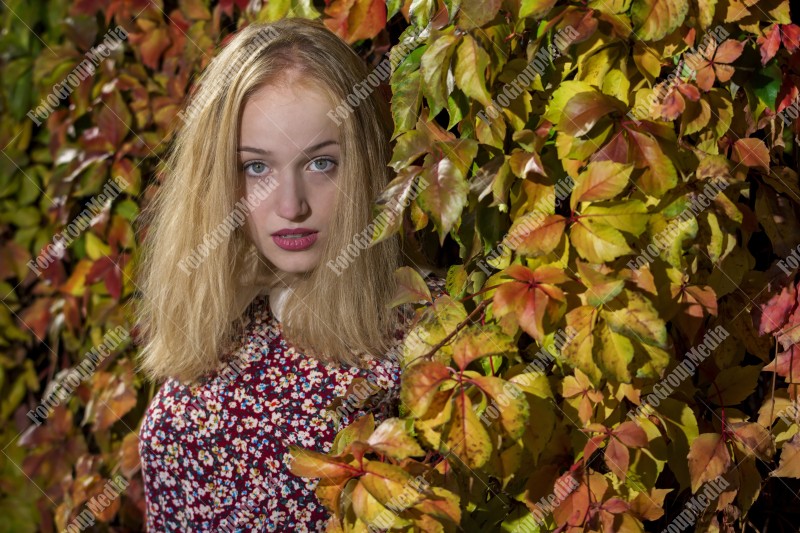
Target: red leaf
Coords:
[[751, 152], [353, 20], [769, 43], [773, 314], [787, 364], [728, 51], [790, 35], [631, 435], [529, 296]]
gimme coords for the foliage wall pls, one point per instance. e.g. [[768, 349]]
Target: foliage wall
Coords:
[[619, 329]]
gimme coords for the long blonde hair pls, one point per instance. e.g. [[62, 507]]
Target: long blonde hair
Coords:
[[188, 321]]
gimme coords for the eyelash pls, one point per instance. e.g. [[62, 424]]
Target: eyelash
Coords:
[[246, 166]]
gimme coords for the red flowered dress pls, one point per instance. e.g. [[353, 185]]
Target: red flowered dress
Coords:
[[214, 455]]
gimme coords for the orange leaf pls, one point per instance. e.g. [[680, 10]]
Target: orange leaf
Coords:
[[751, 152], [708, 458]]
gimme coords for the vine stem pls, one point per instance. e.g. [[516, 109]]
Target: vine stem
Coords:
[[724, 431], [458, 328], [774, 375]]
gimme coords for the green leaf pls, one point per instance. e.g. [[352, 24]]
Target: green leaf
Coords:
[[655, 19], [392, 438], [597, 243], [411, 287], [638, 319], [465, 435], [602, 180], [445, 196], [659, 175], [470, 70], [615, 353], [435, 66]]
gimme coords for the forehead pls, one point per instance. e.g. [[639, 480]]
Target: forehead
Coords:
[[286, 118]]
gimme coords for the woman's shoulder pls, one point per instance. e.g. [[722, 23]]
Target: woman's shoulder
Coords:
[[168, 405]]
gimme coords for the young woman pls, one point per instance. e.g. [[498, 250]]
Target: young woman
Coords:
[[242, 313]]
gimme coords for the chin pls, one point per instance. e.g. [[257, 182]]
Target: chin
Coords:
[[295, 265]]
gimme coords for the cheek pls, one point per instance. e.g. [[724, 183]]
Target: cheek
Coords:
[[257, 220]]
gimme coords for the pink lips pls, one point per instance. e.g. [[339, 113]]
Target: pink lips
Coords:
[[296, 243]]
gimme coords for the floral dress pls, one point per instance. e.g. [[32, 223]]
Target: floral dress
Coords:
[[214, 454]]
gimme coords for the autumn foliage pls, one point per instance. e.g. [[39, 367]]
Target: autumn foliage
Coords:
[[620, 231]]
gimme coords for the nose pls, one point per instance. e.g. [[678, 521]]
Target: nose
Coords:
[[292, 201]]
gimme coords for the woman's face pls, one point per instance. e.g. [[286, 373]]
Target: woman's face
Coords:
[[287, 135]]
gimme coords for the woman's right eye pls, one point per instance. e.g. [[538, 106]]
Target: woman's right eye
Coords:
[[254, 168]]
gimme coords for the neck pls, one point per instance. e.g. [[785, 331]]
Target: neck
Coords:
[[277, 297]]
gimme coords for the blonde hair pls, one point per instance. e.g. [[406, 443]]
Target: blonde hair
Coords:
[[189, 321]]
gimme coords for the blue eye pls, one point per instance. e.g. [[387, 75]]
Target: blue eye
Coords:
[[324, 160], [254, 168]]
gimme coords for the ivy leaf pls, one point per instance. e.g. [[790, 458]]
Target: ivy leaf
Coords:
[[311, 464], [353, 20], [435, 67], [630, 216], [445, 196], [534, 235], [638, 319], [388, 205], [598, 243], [420, 383], [602, 180], [789, 465], [368, 509], [475, 342], [754, 439], [411, 287], [660, 175], [535, 9], [616, 353], [583, 110], [751, 152], [655, 19], [384, 481], [475, 13], [733, 385], [772, 314], [578, 352], [708, 458], [509, 400], [465, 435], [529, 296], [392, 438], [470, 70]]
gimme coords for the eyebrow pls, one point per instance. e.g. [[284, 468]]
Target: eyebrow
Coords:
[[268, 152]]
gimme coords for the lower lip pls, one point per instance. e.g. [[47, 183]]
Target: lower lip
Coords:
[[295, 244]]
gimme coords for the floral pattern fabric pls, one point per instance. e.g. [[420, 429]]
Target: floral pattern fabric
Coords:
[[214, 454]]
